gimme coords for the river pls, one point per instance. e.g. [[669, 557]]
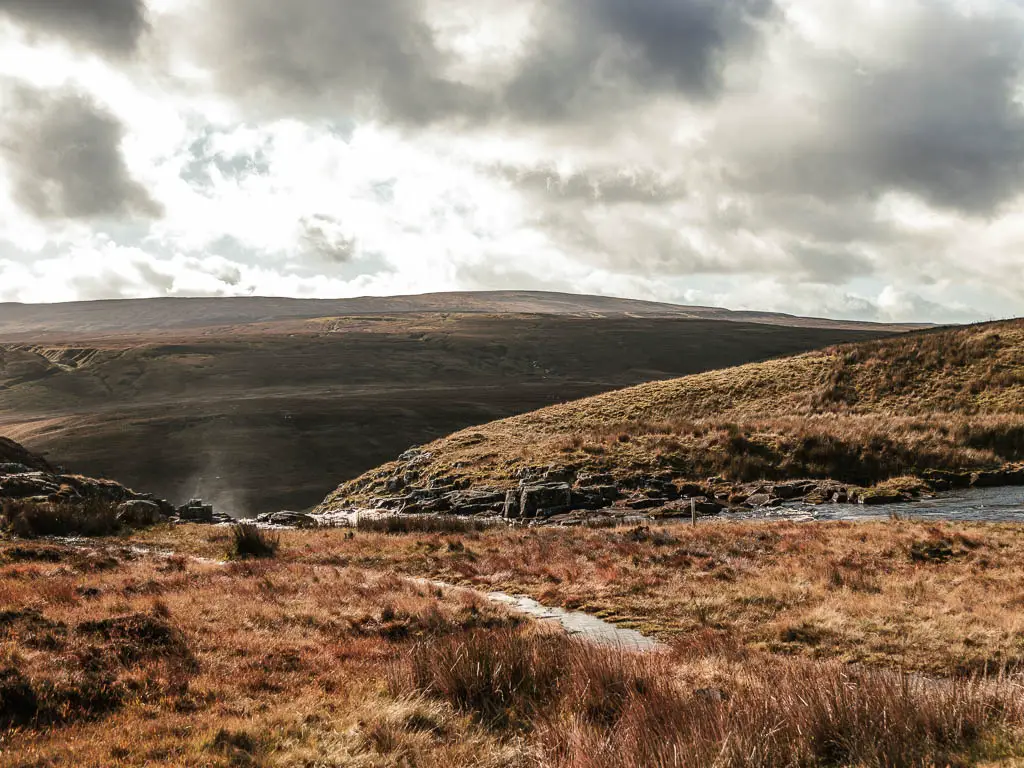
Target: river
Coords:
[[985, 505]]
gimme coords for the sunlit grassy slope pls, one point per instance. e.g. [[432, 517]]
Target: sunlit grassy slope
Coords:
[[861, 413]]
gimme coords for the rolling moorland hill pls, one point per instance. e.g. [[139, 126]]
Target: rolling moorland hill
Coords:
[[267, 415], [97, 319], [948, 399]]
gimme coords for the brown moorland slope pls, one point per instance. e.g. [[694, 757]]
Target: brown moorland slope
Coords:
[[264, 416], [949, 399]]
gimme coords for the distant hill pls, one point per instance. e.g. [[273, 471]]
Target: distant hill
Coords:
[[94, 319], [948, 399]]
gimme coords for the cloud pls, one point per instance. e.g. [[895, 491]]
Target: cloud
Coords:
[[325, 237], [104, 270], [811, 156], [331, 58], [110, 26], [391, 59], [62, 151], [594, 185], [590, 57], [931, 110]]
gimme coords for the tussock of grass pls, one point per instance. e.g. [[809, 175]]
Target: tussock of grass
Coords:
[[250, 541], [597, 708]]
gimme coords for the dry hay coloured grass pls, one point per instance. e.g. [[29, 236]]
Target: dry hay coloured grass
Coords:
[[597, 708], [110, 657], [331, 654]]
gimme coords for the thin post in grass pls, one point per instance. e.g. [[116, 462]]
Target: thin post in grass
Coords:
[[693, 511]]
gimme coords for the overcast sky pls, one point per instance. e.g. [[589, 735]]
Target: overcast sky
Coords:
[[826, 157]]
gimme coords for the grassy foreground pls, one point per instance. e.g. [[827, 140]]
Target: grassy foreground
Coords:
[[877, 644], [861, 414]]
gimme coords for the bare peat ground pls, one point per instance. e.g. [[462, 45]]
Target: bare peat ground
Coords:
[[264, 415], [789, 645]]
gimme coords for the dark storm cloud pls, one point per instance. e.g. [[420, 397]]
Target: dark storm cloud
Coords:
[[594, 54], [325, 57], [817, 263], [942, 122], [111, 26], [63, 152]]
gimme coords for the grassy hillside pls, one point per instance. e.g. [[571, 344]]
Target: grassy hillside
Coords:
[[269, 416], [862, 413]]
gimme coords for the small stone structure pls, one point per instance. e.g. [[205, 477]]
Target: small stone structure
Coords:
[[196, 511]]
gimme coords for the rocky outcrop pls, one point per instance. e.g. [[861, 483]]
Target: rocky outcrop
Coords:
[[14, 457], [30, 480], [532, 500]]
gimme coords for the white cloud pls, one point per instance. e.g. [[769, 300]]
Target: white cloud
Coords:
[[776, 183]]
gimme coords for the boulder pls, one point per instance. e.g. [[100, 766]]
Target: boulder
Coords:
[[876, 498], [291, 519], [544, 500], [594, 496], [415, 457], [476, 502], [139, 513], [647, 503], [708, 508], [691, 490], [29, 484], [592, 479], [842, 496], [511, 509], [935, 477], [788, 491], [557, 474], [758, 500]]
